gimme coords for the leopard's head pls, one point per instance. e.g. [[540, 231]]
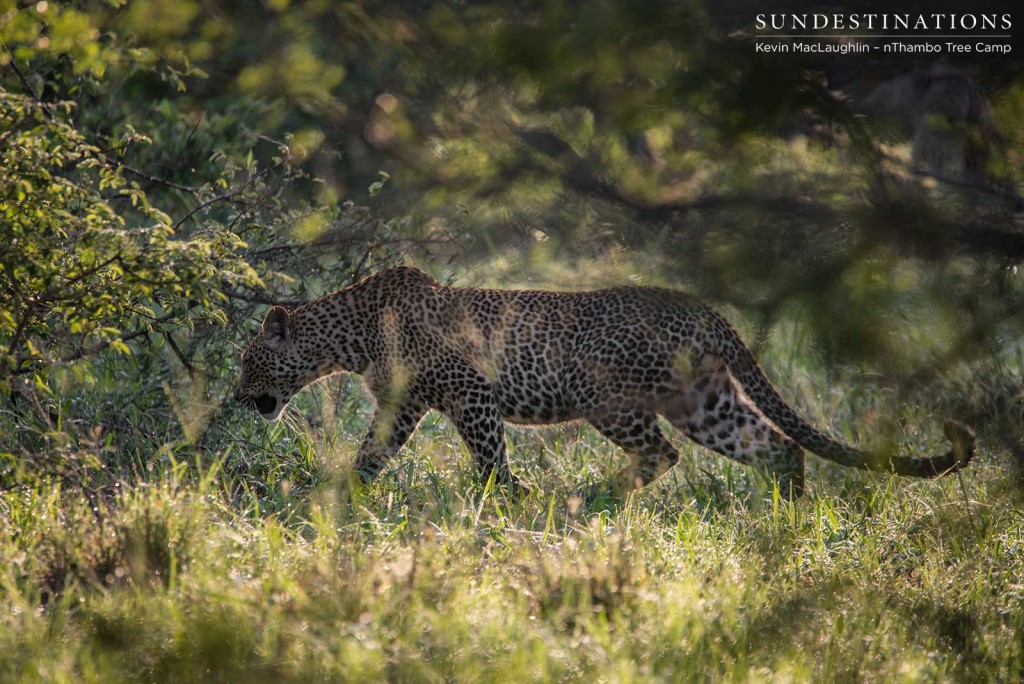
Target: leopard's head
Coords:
[[273, 369]]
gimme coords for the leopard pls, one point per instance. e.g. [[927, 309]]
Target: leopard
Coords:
[[621, 359]]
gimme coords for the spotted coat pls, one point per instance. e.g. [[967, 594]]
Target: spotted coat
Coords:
[[618, 358]]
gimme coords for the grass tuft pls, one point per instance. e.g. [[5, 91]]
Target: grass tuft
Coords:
[[254, 555]]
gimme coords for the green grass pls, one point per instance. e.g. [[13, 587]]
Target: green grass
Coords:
[[190, 574], [250, 556]]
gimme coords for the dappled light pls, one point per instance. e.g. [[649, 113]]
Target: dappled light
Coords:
[[174, 172]]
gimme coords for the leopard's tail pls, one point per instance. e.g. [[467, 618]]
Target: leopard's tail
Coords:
[[759, 388]]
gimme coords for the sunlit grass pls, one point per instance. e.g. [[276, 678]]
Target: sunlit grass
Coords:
[[262, 560], [430, 574]]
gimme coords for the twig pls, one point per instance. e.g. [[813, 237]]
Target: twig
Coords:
[[152, 179], [181, 356], [220, 198], [967, 505], [28, 86]]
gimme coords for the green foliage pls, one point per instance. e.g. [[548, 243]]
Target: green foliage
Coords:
[[140, 236], [76, 278], [169, 169]]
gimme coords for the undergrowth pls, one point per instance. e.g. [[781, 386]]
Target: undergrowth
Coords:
[[246, 552], [191, 574]]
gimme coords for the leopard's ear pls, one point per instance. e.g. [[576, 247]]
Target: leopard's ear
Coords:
[[278, 326]]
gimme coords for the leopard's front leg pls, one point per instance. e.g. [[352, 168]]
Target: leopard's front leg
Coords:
[[389, 430], [475, 414]]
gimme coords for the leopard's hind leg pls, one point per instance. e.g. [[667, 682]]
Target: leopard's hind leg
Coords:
[[638, 434], [711, 412]]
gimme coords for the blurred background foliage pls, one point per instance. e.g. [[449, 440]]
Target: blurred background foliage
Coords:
[[172, 167]]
